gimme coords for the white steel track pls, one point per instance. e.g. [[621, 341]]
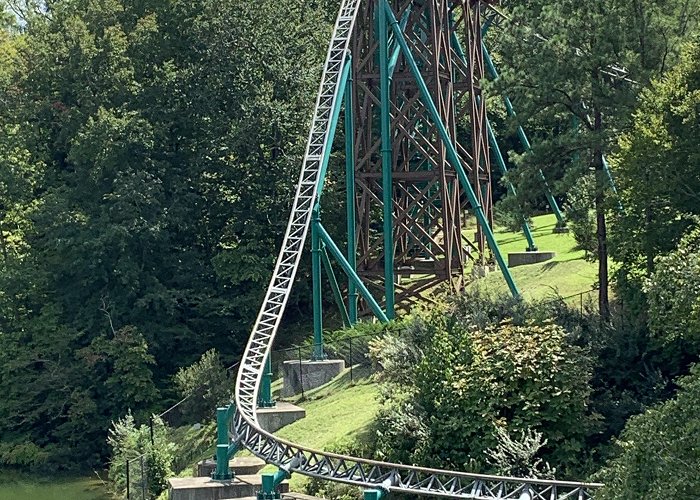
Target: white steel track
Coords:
[[292, 457]]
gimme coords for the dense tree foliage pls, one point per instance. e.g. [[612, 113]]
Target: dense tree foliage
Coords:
[[562, 60], [659, 450], [147, 154], [454, 378], [658, 172]]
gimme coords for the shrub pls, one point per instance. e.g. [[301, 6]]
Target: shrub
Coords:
[[659, 450], [130, 442], [206, 386], [460, 378]]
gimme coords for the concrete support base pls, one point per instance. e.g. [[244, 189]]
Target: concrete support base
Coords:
[[308, 375], [291, 496], [240, 466], [202, 488], [524, 258], [273, 419]]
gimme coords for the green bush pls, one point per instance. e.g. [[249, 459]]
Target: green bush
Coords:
[[659, 450], [206, 386], [580, 214], [453, 379], [131, 442]]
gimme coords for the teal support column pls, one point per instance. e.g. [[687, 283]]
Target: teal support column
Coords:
[[351, 274], [611, 181], [334, 287], [524, 141], [350, 197], [387, 198], [373, 494], [270, 483], [223, 471], [452, 155], [265, 396], [500, 161], [318, 353]]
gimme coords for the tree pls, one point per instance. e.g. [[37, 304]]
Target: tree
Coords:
[[570, 80], [658, 450], [673, 292], [450, 384], [657, 171], [147, 158]]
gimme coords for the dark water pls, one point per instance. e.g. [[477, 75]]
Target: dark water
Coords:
[[14, 486]]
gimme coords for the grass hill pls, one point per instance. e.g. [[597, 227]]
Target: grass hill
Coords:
[[567, 274]]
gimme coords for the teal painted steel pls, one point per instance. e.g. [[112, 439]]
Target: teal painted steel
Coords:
[[334, 287], [265, 396], [333, 126], [270, 483], [352, 275], [350, 197], [387, 195], [524, 141], [222, 472], [500, 161], [451, 151], [397, 50], [318, 353], [373, 494], [531, 247]]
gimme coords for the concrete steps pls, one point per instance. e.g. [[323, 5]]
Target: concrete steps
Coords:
[[287, 496], [240, 466], [204, 488]]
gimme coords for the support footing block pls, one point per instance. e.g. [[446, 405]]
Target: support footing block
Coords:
[[524, 258], [308, 375]]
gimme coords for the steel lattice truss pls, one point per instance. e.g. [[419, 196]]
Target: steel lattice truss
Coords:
[[245, 429]]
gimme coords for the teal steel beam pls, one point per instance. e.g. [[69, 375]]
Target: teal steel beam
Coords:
[[524, 141], [611, 181], [531, 247], [318, 353], [373, 494], [270, 483], [334, 287], [222, 471], [451, 151], [333, 126], [265, 397], [350, 197], [350, 272], [397, 50], [500, 161], [387, 195]]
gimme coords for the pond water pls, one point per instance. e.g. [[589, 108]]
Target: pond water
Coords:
[[15, 486]]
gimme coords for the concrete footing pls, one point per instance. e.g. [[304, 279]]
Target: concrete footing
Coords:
[[202, 488], [291, 496], [273, 419], [240, 466], [524, 258], [308, 375]]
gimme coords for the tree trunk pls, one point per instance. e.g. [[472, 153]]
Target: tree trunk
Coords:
[[601, 227]]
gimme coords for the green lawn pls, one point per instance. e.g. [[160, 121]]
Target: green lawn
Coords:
[[567, 274], [335, 413]]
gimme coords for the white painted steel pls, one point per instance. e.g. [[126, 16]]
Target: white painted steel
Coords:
[[245, 429]]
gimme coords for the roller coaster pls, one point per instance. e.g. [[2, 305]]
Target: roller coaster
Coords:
[[464, 178]]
